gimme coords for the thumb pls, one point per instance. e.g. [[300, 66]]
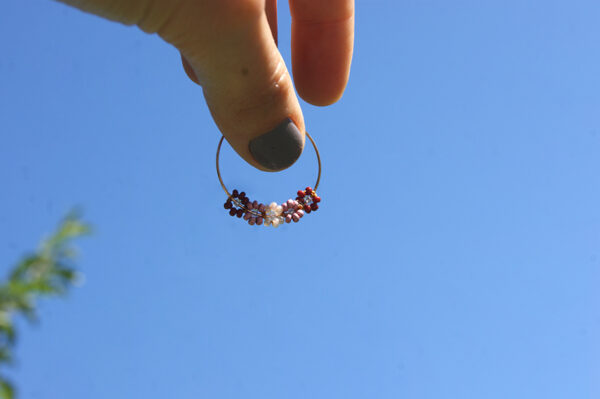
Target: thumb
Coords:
[[230, 48], [246, 85]]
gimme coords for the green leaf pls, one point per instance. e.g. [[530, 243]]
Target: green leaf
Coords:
[[7, 333], [7, 391]]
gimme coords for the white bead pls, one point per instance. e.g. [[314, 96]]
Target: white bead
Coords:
[[278, 210]]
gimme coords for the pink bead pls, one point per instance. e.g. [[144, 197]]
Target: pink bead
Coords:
[[262, 207], [255, 205], [252, 221], [291, 203], [259, 220], [288, 218], [249, 205], [295, 217], [284, 206], [247, 216], [300, 213]]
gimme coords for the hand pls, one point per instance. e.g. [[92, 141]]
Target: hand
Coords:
[[229, 48]]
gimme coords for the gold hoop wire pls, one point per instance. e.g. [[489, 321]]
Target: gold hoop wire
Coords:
[[307, 135]]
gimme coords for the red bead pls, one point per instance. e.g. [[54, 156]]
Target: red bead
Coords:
[[316, 198], [308, 190], [314, 206], [307, 209], [232, 212], [300, 193]]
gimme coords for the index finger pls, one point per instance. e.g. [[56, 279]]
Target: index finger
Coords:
[[322, 41]]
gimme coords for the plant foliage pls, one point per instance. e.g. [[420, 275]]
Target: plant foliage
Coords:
[[49, 271]]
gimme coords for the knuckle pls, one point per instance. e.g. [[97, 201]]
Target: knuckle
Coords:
[[240, 10]]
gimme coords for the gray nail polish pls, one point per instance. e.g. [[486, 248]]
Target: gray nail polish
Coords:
[[279, 148]]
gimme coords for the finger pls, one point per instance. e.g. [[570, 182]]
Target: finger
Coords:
[[271, 11], [322, 41], [244, 79]]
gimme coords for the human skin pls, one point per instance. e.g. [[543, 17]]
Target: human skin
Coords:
[[229, 48]]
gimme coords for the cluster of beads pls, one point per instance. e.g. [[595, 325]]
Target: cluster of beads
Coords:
[[308, 199], [273, 214]]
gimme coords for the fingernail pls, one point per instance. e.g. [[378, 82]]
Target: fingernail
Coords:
[[279, 148]]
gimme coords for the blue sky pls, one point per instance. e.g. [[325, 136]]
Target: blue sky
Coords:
[[456, 253]]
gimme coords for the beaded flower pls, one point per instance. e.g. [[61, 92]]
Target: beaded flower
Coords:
[[273, 215], [308, 199]]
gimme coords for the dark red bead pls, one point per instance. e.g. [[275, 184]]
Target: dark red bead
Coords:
[[307, 209], [314, 206], [242, 194], [245, 201], [308, 190], [232, 212], [316, 198], [239, 213], [228, 205]]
